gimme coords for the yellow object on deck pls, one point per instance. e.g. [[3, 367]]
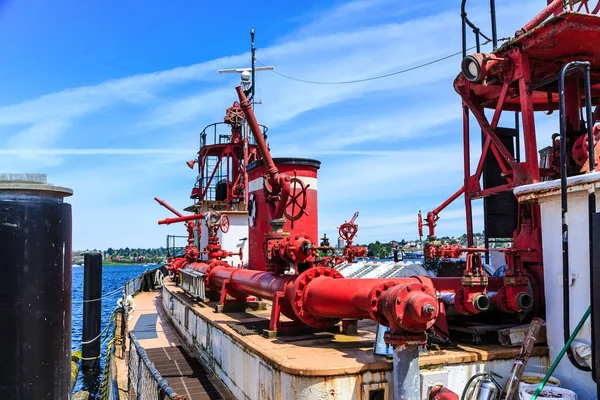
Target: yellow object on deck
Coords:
[[75, 362]]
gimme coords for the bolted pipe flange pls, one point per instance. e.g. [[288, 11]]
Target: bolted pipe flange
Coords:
[[299, 288], [374, 296], [409, 307], [296, 248], [211, 267]]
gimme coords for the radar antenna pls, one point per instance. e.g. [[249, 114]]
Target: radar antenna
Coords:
[[248, 74]]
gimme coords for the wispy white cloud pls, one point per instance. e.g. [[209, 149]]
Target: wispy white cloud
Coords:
[[392, 141], [91, 151]]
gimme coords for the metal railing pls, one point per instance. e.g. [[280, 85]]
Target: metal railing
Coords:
[[144, 381], [220, 132], [192, 282]]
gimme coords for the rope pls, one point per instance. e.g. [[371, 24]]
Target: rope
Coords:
[[105, 295], [379, 76], [158, 278], [112, 317]]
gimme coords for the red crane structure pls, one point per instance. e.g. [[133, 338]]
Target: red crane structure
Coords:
[[553, 63]]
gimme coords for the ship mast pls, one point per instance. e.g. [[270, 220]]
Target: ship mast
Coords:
[[248, 74]]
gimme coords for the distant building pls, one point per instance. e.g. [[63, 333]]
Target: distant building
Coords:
[[341, 243]]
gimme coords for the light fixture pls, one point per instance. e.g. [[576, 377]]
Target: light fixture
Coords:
[[191, 163], [474, 67]]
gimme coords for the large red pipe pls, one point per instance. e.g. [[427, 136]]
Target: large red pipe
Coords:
[[277, 180], [341, 298], [255, 128], [256, 283]]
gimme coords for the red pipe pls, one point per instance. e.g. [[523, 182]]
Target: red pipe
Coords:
[[279, 182], [255, 128], [185, 218], [168, 207], [256, 283], [341, 298], [552, 8]]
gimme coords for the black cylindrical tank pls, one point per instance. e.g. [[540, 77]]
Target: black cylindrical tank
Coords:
[[35, 288]]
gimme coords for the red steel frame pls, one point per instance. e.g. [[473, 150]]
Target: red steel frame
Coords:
[[506, 82]]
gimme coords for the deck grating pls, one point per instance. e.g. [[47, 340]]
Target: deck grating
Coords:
[[185, 374]]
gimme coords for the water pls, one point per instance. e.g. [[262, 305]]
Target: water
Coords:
[[113, 277]]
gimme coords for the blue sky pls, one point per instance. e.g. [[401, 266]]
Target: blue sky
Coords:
[[108, 98]]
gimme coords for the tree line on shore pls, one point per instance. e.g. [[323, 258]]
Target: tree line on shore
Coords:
[[376, 249]]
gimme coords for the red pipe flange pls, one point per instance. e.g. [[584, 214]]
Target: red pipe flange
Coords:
[[374, 297], [299, 291], [297, 248], [411, 307]]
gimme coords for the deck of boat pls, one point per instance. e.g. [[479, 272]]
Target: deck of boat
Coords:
[[328, 354], [184, 373]]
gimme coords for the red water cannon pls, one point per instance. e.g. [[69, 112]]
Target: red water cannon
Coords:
[[191, 251]]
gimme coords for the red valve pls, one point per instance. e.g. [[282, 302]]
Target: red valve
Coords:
[[296, 204], [234, 115], [224, 223]]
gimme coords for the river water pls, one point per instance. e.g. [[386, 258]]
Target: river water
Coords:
[[113, 277]]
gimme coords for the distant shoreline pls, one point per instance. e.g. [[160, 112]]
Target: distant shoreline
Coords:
[[124, 264]]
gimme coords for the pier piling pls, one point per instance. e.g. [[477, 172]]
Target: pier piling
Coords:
[[92, 311], [35, 288]]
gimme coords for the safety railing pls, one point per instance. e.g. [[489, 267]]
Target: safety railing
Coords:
[[141, 379], [144, 380], [582, 6], [147, 280], [220, 132]]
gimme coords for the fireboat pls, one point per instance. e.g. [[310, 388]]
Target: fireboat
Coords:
[[257, 306]]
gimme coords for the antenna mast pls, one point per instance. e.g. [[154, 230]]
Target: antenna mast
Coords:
[[253, 66], [249, 74]]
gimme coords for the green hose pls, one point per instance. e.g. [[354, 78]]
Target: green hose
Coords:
[[562, 353]]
